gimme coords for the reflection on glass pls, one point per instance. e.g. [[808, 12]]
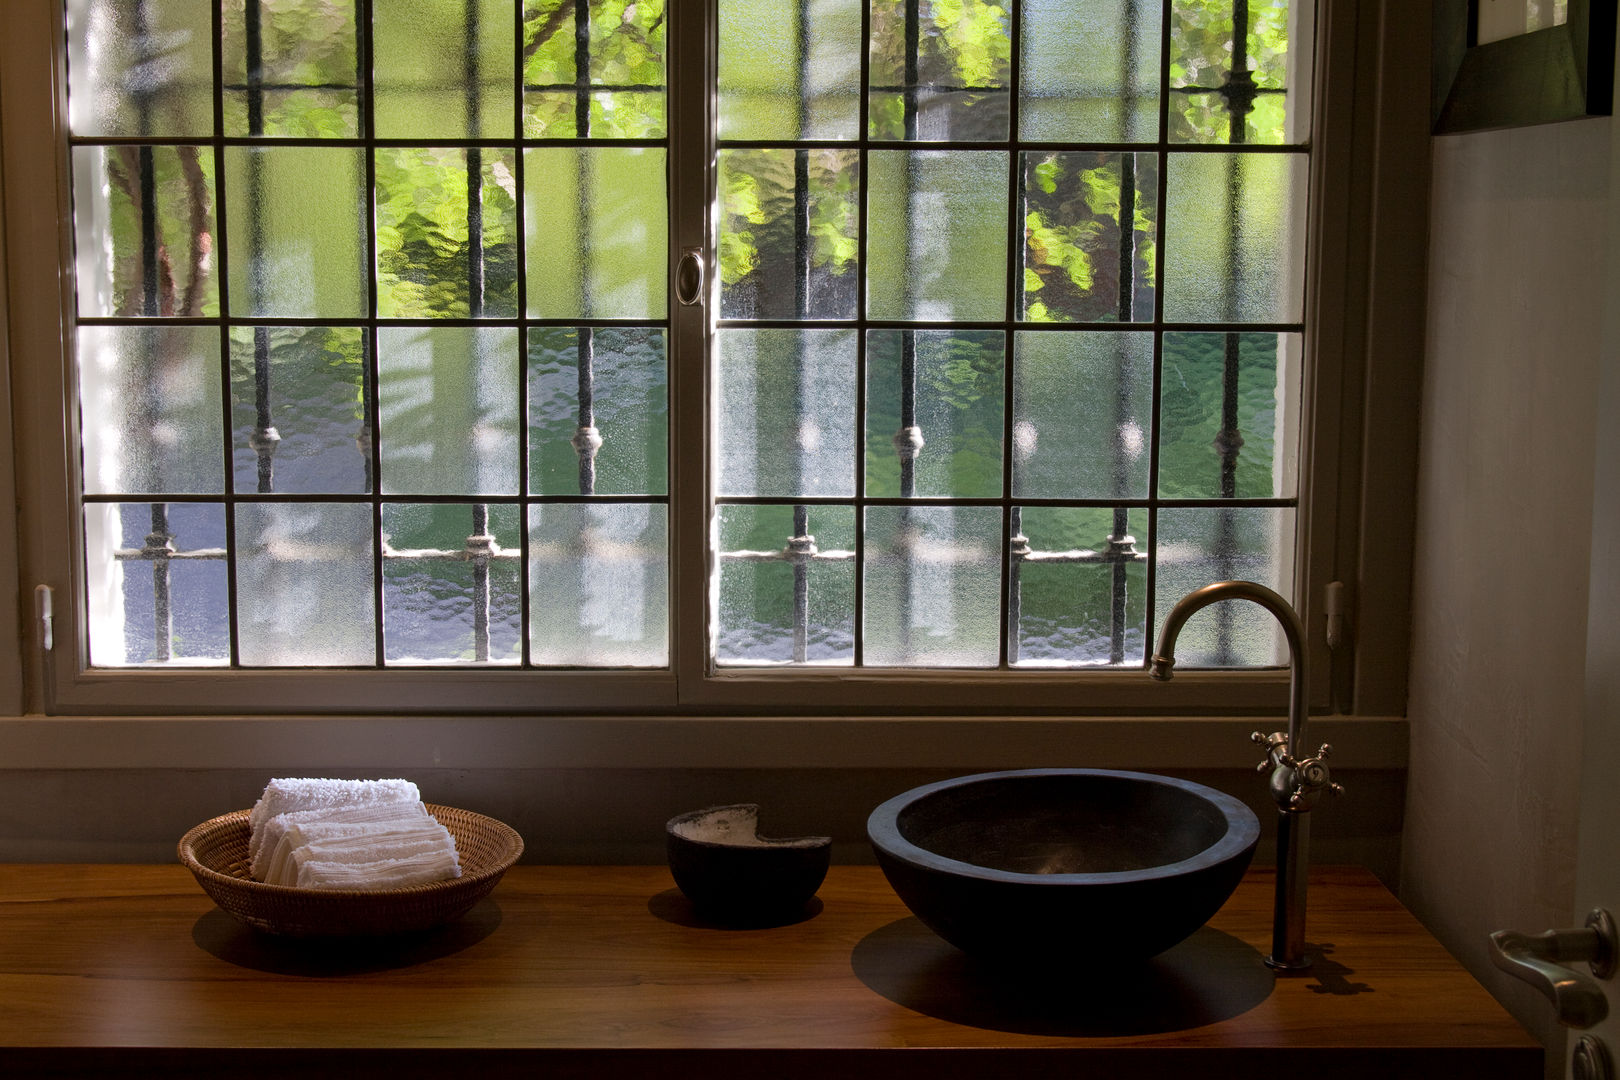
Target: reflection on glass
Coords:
[[593, 69], [451, 584], [789, 76], [786, 595], [140, 69], [598, 585]]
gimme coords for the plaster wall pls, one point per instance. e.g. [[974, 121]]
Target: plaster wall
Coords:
[[1517, 283]]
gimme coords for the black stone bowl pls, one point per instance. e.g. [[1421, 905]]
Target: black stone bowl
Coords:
[[1063, 866], [733, 875]]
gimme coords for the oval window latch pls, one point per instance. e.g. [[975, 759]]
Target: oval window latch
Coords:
[[689, 277]]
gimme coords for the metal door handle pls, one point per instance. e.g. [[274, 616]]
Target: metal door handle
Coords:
[[1538, 959]]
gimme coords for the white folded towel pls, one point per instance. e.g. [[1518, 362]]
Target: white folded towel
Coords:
[[419, 869], [270, 834], [293, 794], [274, 865]]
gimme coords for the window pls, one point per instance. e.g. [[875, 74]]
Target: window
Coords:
[[1005, 348]]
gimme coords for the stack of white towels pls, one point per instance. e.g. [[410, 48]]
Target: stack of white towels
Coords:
[[347, 834]]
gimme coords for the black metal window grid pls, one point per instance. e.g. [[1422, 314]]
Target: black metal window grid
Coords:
[[1233, 96]]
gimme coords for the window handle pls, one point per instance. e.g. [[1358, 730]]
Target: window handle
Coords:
[[689, 277], [1538, 959]]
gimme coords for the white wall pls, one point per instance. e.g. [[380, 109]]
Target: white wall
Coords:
[[1517, 283]]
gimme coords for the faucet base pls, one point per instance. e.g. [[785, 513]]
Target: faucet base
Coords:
[[1283, 965]]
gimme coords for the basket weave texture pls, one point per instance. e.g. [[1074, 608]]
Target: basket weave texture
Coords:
[[216, 853]]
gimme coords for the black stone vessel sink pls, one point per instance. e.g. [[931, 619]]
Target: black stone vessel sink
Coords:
[[1072, 866]]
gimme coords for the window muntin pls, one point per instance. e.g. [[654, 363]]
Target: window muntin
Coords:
[[1019, 291], [353, 280]]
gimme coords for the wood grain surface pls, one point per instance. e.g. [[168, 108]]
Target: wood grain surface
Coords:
[[607, 971]]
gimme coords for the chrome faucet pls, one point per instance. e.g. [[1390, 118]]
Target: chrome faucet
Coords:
[[1296, 784]]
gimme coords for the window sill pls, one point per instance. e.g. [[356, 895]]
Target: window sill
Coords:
[[577, 742]]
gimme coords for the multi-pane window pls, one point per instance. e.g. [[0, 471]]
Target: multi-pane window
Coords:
[[1008, 349], [373, 329]]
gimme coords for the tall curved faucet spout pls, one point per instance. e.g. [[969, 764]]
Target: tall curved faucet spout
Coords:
[[1296, 782]]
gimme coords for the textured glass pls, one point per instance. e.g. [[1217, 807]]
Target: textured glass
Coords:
[[1089, 70], [297, 239], [627, 388], [932, 593], [434, 597], [442, 71], [307, 383], [1200, 545], [957, 412], [937, 234], [149, 409], [790, 75], [593, 70], [448, 401], [304, 82], [1089, 236], [787, 412], [762, 569], [140, 69], [1085, 563], [1082, 414], [940, 70], [596, 221], [789, 233], [441, 254], [1192, 429], [598, 585], [304, 584], [1230, 87], [143, 218], [1235, 238], [129, 594]]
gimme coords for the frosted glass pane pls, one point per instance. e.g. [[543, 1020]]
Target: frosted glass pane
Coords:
[[1272, 54], [308, 69], [442, 71], [1082, 414], [1083, 587], [598, 585], [762, 569], [1089, 219], [937, 244], [307, 383], [434, 600], [1201, 545], [1265, 406], [304, 584], [597, 224], [131, 262], [297, 238], [172, 609], [439, 254], [593, 69], [789, 233], [1089, 71], [932, 586], [628, 405], [1235, 238], [140, 69], [956, 85], [448, 399], [790, 75], [957, 414], [787, 412], [149, 409]]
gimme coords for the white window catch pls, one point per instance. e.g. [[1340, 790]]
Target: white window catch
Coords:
[[44, 612]]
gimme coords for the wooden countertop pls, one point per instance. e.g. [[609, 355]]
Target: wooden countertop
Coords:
[[605, 971]]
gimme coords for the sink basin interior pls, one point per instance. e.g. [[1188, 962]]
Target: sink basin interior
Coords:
[[1064, 824]]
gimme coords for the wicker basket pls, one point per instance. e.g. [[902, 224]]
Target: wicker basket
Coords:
[[216, 853]]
